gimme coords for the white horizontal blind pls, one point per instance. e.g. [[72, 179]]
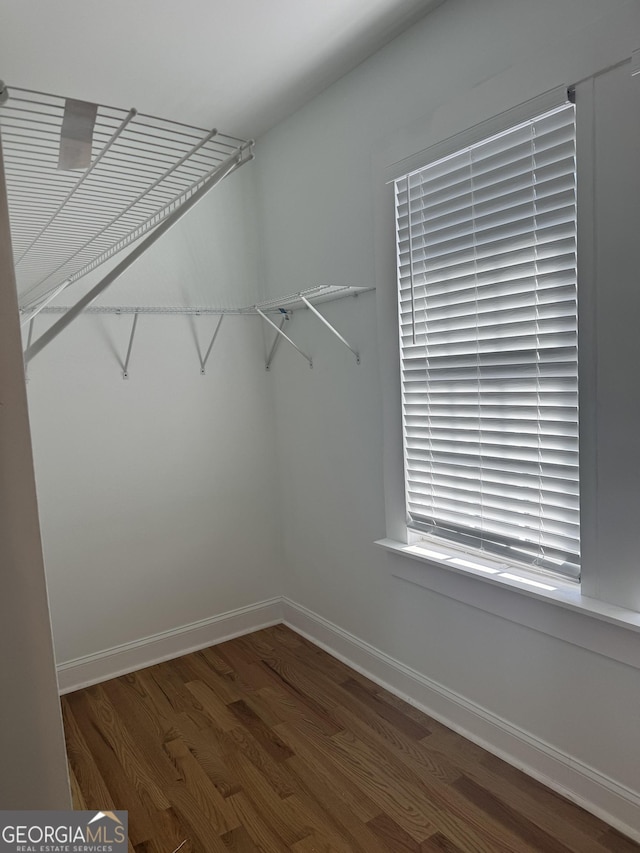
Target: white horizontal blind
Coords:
[[486, 243]]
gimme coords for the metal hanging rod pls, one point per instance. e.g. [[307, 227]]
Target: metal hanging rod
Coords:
[[148, 309], [320, 294]]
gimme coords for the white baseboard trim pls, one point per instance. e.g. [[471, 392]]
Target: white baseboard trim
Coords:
[[614, 803], [129, 657]]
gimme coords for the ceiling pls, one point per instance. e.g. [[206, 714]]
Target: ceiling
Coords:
[[240, 65]]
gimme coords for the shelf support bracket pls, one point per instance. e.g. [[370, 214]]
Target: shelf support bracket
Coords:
[[203, 362], [329, 326], [282, 334], [125, 371], [276, 342], [29, 338], [43, 304]]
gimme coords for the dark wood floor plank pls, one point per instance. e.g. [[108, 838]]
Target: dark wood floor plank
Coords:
[[418, 807], [205, 744], [170, 834], [92, 787], [167, 678], [199, 667], [397, 718], [354, 715], [312, 657], [393, 835], [259, 828], [551, 802], [158, 710], [241, 741], [393, 744], [122, 791], [267, 743], [148, 739], [355, 830], [200, 787], [612, 840], [77, 797], [282, 816], [248, 666], [439, 843], [135, 763], [207, 700], [566, 822], [310, 751], [203, 835], [302, 690], [383, 783], [288, 708], [88, 788], [239, 841], [506, 815], [265, 736]]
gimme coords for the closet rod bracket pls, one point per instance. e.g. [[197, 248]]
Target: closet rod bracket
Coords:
[[283, 334], [203, 361], [331, 328], [276, 341], [125, 370]]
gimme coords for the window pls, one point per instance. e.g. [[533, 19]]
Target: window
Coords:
[[486, 253]]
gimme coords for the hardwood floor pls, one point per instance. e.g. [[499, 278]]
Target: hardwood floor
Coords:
[[266, 743]]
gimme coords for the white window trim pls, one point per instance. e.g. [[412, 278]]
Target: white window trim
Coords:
[[556, 110], [564, 613], [577, 613]]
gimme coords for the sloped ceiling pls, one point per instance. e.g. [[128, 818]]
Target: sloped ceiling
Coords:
[[240, 65]]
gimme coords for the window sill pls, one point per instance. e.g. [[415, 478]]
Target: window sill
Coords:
[[562, 612]]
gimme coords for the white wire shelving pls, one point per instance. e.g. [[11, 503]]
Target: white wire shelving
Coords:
[[284, 304], [282, 308], [142, 173], [67, 222]]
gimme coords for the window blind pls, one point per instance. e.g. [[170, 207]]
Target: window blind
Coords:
[[486, 250]]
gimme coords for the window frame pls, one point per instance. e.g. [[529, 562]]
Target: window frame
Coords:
[[454, 547], [609, 590]]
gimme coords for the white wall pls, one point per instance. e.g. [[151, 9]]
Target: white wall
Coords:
[[33, 761], [158, 494], [465, 63]]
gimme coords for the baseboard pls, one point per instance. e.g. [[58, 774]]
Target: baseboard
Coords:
[[128, 657], [614, 803]]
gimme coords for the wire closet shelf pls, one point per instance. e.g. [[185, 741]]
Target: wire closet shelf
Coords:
[[65, 223], [282, 305]]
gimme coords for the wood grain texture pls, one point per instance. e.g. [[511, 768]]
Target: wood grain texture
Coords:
[[266, 744]]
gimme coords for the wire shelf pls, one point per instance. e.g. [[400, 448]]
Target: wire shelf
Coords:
[[65, 223], [318, 294], [284, 304]]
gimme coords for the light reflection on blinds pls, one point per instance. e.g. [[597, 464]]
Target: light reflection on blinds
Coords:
[[486, 245]]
